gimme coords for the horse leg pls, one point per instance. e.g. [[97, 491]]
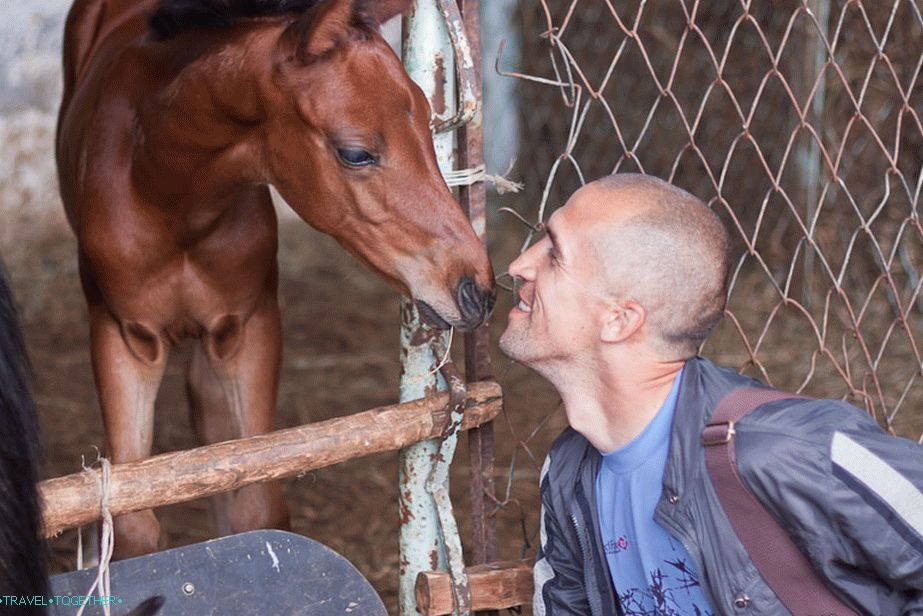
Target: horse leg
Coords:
[[128, 363], [245, 356], [210, 416]]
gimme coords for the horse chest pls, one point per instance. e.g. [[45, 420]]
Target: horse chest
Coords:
[[179, 287]]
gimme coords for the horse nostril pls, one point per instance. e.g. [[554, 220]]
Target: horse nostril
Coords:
[[475, 305], [466, 297]]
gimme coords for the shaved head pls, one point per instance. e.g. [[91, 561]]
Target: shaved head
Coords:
[[627, 282], [663, 248]]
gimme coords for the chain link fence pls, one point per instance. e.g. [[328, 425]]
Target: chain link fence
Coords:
[[799, 123]]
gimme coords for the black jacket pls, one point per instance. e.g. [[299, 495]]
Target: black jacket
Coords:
[[848, 494]]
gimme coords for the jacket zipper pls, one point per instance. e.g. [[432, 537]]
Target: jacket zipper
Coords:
[[592, 597], [579, 532]]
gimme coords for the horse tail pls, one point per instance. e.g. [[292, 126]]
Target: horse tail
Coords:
[[22, 552]]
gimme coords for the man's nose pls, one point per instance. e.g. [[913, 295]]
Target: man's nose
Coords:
[[522, 267]]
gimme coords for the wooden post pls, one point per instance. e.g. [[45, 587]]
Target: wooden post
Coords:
[[494, 586], [74, 500]]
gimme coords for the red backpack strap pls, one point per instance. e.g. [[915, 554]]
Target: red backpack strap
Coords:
[[782, 565]]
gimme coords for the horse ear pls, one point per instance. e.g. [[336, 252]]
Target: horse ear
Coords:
[[320, 29], [380, 11], [323, 27]]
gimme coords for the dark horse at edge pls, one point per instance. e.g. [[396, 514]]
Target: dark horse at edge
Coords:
[[22, 553]]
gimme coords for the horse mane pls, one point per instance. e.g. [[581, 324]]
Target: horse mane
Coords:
[[177, 16]]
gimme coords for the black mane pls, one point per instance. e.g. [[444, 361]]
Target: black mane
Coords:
[[176, 16], [22, 554]]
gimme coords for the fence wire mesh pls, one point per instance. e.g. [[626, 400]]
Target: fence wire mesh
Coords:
[[799, 122]]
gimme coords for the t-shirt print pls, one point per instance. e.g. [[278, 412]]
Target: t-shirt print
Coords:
[[672, 589]]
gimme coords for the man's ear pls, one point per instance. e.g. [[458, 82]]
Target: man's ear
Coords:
[[622, 319]]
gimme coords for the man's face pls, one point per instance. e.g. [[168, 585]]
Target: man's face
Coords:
[[558, 314]]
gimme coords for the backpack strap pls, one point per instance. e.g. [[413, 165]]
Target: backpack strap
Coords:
[[782, 565]]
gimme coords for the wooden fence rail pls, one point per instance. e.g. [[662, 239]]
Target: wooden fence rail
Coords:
[[74, 500], [494, 586]]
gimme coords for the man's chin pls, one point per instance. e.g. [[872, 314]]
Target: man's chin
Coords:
[[514, 346]]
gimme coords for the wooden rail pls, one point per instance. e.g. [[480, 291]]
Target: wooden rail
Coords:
[[494, 586], [74, 500]]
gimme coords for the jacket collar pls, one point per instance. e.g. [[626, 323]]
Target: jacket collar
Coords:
[[703, 385]]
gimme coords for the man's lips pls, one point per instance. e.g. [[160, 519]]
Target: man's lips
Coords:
[[525, 296], [520, 308]]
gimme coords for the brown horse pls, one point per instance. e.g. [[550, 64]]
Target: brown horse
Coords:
[[177, 116]]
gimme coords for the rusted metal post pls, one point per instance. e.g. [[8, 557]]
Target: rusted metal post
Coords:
[[438, 486], [477, 355], [420, 545], [429, 60]]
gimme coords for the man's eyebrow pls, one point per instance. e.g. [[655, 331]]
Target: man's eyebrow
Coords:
[[551, 237]]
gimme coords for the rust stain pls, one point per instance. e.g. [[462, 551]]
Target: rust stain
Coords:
[[439, 95], [434, 560], [406, 514], [424, 334]]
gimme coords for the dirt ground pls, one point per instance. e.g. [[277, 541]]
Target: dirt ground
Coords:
[[341, 356]]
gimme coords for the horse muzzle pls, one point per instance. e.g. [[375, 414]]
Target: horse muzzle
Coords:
[[474, 307]]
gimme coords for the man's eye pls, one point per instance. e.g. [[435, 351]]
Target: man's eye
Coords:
[[356, 157]]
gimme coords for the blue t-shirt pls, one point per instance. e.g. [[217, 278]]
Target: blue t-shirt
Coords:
[[652, 572]]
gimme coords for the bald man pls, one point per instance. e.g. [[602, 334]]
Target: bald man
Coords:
[[616, 298]]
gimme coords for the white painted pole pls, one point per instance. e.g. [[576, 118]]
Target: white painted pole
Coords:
[[429, 60]]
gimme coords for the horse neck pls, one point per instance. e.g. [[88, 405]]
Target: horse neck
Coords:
[[200, 130]]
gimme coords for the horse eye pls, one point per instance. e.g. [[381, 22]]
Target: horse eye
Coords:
[[355, 157]]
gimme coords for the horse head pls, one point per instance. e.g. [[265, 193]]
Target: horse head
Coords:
[[349, 147]]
